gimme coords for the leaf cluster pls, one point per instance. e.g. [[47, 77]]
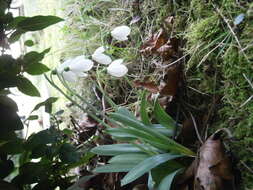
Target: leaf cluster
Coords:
[[45, 157]]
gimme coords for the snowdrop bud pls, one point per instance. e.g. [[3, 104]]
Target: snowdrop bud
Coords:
[[117, 69], [121, 33], [100, 57]]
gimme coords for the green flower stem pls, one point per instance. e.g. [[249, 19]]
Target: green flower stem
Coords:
[[75, 103], [93, 108]]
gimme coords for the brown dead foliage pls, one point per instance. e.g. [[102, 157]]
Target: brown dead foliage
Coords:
[[160, 43], [212, 169], [174, 79], [150, 86]]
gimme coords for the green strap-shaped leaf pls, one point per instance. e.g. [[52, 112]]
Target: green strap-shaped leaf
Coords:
[[115, 168], [115, 149], [134, 123], [128, 158], [162, 117], [145, 166], [167, 181]]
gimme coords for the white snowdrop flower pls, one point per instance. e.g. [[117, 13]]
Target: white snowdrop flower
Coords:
[[121, 33], [100, 57], [99, 50], [80, 63], [117, 68], [74, 68]]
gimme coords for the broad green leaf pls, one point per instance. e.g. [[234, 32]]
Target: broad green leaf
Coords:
[[37, 69], [47, 102], [12, 147], [15, 21], [9, 65], [16, 35], [29, 43], [31, 172], [128, 158], [10, 120], [162, 117], [38, 22], [34, 57], [145, 166], [82, 161], [115, 149], [117, 167], [25, 86], [46, 184], [6, 167], [44, 137], [167, 181], [79, 182], [143, 111], [6, 101], [68, 154]]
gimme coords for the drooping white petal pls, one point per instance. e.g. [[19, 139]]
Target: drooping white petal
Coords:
[[117, 61], [121, 33], [81, 74], [99, 50], [117, 69], [101, 58], [80, 63], [69, 76]]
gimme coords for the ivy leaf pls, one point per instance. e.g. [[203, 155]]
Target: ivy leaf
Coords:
[[48, 103], [6, 167], [37, 69], [25, 86], [38, 22], [10, 120], [68, 154], [44, 137]]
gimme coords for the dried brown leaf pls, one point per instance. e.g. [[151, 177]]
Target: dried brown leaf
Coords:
[[174, 77], [154, 42], [214, 167], [148, 85]]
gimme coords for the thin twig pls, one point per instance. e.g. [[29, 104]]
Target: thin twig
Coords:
[[246, 166], [196, 129]]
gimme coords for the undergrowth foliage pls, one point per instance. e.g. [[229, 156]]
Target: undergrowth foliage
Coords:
[[54, 153]]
